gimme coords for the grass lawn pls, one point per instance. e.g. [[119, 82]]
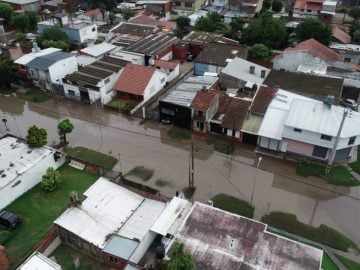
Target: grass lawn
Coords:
[[161, 183], [7, 91], [66, 255], [233, 204], [177, 133], [322, 234], [189, 192], [106, 161], [356, 165], [351, 265], [220, 145], [338, 176], [121, 104], [326, 264], [141, 172], [35, 96], [39, 209]]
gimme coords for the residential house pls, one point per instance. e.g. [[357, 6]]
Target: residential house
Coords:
[[312, 85], [98, 51], [25, 5], [239, 243], [186, 7], [349, 53], [78, 31], [160, 8], [175, 107], [38, 261], [308, 51], [143, 19], [22, 167], [94, 15], [128, 33], [325, 9], [245, 8], [118, 224], [308, 128], [340, 36], [214, 57], [45, 68], [139, 83], [94, 82], [243, 76], [156, 46], [172, 69]]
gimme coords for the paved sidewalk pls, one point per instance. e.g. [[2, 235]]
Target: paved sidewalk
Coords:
[[352, 172]]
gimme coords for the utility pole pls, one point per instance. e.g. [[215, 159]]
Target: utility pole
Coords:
[[333, 151], [254, 182], [192, 161]]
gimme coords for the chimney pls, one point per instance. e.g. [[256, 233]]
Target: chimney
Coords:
[[252, 69], [329, 100], [263, 73]]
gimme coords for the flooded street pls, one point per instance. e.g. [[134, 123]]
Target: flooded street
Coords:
[[277, 186]]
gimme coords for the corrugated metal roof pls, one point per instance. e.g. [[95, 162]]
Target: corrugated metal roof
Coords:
[[45, 61], [139, 224], [30, 56], [99, 49], [121, 247], [174, 210]]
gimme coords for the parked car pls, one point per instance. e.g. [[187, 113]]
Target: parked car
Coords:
[[349, 103], [9, 220]]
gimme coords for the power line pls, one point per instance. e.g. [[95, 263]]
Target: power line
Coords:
[[188, 144]]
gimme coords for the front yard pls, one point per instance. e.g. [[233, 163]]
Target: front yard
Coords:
[[233, 204], [34, 95], [39, 209]]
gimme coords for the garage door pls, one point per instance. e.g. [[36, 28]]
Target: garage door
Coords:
[[342, 154]]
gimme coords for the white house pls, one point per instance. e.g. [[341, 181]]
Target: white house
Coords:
[[95, 81], [308, 51], [22, 167], [39, 262], [172, 69], [139, 82], [97, 51], [46, 67], [307, 127]]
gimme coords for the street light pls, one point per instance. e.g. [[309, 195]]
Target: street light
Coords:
[[5, 121], [254, 182]]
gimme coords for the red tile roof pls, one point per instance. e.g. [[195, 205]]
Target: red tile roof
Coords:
[[202, 100], [134, 79], [341, 35], [300, 4], [317, 49], [146, 20], [236, 114], [262, 99], [165, 64], [93, 12]]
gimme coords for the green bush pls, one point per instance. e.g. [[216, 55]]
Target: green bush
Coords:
[[323, 234], [141, 172], [233, 205], [51, 180], [4, 237]]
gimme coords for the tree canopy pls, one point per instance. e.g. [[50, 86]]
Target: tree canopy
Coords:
[[266, 30], [6, 11], [50, 180], [128, 13], [53, 37], [354, 13], [182, 26], [36, 137], [33, 19], [276, 5], [179, 259], [211, 23], [65, 127], [259, 52], [7, 71], [21, 22], [313, 28]]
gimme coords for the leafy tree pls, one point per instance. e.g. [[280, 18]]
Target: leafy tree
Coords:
[[33, 19], [276, 5], [356, 36], [179, 259], [52, 37], [50, 180], [6, 11], [259, 51], [313, 28], [266, 5], [355, 13], [111, 17], [210, 23], [56, 44], [21, 22], [20, 36], [65, 127], [266, 30], [182, 26], [4, 237], [128, 13], [36, 137], [7, 71], [236, 26]]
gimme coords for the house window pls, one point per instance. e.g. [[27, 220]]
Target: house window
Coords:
[[71, 93], [107, 81], [93, 29], [177, 4], [326, 137], [297, 130], [302, 10], [200, 113], [309, 10], [352, 140], [347, 60], [188, 5], [113, 259], [200, 125]]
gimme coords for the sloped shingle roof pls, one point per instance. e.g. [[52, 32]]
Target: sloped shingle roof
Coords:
[[134, 79], [202, 100], [341, 35], [235, 114], [262, 99]]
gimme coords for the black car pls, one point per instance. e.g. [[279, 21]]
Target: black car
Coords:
[[349, 103], [9, 220]]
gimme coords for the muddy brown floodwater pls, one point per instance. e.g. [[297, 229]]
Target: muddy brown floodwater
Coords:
[[310, 199]]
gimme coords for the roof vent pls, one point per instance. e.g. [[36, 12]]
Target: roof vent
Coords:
[[329, 100], [252, 69]]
